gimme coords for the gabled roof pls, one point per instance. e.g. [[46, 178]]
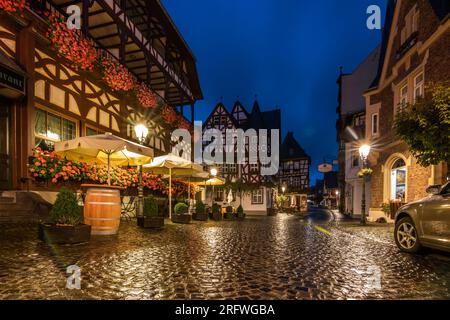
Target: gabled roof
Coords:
[[220, 105], [237, 105], [264, 120], [385, 40], [441, 9], [291, 149]]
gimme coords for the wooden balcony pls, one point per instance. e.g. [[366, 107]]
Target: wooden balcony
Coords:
[[140, 35]]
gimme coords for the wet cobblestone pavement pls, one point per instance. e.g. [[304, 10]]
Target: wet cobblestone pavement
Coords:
[[280, 257]]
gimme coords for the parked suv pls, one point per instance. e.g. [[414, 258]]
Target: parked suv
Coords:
[[425, 223]]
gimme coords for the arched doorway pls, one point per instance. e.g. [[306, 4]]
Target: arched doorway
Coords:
[[397, 188]]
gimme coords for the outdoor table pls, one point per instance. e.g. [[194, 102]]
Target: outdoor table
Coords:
[[102, 208]]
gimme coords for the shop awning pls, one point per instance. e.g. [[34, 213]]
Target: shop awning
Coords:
[[12, 78]]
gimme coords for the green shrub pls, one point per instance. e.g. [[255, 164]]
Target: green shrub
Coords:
[[240, 212], [66, 210], [181, 208], [200, 207], [229, 209], [150, 207], [215, 208]]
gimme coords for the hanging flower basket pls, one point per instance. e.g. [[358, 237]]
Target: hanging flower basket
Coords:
[[70, 44], [169, 115], [13, 6], [365, 172], [147, 98], [117, 76], [183, 123]]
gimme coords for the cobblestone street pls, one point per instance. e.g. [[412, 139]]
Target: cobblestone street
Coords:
[[280, 257]]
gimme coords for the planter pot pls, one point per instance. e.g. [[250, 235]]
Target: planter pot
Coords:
[[201, 216], [54, 234], [228, 216], [150, 222], [182, 218], [271, 212], [217, 216]]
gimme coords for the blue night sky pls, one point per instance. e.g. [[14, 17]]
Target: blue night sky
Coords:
[[286, 52]]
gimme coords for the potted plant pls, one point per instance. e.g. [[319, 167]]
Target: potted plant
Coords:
[[151, 218], [200, 211], [216, 215], [66, 225], [229, 213], [240, 213], [181, 214]]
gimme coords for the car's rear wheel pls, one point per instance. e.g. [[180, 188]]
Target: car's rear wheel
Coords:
[[406, 236]]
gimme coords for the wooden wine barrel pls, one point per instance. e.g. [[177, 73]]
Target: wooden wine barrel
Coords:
[[102, 209]]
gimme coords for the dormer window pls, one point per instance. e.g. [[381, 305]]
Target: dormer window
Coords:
[[411, 25]]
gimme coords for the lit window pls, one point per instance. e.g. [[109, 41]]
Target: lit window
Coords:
[[418, 86], [375, 124], [50, 128], [257, 196]]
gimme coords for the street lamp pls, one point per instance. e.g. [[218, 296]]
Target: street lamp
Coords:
[[141, 132], [283, 189], [364, 151]]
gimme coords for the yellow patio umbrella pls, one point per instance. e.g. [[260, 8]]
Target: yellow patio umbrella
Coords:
[[211, 182], [106, 149], [172, 165]]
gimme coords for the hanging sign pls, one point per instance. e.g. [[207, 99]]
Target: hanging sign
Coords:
[[325, 168]]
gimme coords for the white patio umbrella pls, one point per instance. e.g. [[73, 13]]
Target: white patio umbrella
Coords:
[[230, 197], [106, 149], [172, 165]]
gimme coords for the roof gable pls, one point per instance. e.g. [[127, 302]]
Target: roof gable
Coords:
[[291, 149]]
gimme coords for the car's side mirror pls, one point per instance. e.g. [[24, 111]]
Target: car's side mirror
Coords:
[[434, 190]]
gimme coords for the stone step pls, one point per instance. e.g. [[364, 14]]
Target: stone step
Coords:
[[7, 200]]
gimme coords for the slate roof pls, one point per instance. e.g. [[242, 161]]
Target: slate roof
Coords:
[[291, 149], [264, 120]]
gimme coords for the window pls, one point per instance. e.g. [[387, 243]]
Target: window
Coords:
[[403, 101], [258, 196], [219, 195], [375, 124], [232, 168], [411, 25], [91, 132], [418, 86], [355, 159], [254, 167], [359, 120], [50, 128]]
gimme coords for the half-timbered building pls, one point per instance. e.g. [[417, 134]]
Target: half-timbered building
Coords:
[[44, 98], [259, 189]]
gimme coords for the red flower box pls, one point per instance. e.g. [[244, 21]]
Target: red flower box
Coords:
[[71, 44], [147, 98], [169, 115], [117, 76], [12, 6]]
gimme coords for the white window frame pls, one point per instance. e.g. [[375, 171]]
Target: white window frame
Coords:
[[403, 97], [419, 86], [258, 196], [375, 124]]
